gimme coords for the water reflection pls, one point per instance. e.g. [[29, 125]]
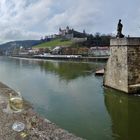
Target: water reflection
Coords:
[[125, 114], [69, 70], [75, 103], [65, 70]]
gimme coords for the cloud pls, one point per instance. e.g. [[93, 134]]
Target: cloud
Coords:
[[81, 14], [11, 34], [22, 19], [30, 19]]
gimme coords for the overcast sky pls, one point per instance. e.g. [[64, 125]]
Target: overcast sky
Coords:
[[31, 19]]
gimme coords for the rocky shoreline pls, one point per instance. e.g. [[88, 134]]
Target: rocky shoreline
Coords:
[[36, 127]]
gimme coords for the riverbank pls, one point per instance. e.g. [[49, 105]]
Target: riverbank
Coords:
[[36, 127], [68, 58]]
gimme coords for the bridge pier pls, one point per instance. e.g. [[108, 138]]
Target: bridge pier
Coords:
[[122, 70]]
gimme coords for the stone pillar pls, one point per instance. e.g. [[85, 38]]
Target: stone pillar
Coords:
[[122, 70]]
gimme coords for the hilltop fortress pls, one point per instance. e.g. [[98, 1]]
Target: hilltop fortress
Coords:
[[68, 33]]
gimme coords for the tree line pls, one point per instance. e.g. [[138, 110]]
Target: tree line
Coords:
[[97, 39]]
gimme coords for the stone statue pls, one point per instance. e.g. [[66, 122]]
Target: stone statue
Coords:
[[119, 30]]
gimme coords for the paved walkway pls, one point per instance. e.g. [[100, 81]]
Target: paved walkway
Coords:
[[36, 127]]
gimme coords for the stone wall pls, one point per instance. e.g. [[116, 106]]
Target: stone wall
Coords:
[[116, 69], [123, 67], [133, 65], [134, 68]]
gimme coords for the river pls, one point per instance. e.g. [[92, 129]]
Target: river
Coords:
[[70, 95]]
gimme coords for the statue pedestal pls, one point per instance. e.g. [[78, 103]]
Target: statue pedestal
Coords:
[[122, 70]]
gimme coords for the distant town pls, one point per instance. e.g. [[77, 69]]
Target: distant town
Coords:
[[66, 42]]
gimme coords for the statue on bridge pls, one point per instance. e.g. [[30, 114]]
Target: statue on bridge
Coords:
[[119, 30]]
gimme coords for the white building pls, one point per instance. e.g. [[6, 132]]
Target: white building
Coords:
[[99, 51]]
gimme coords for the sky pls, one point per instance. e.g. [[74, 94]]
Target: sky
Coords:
[[31, 19]]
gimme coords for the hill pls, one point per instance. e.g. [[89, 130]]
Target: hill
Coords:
[[24, 43], [53, 43]]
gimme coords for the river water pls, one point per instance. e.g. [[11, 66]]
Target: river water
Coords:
[[70, 95]]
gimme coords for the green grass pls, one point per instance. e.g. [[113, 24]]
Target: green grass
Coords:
[[53, 43]]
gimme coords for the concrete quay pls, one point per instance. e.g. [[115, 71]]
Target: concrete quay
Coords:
[[61, 57], [36, 127]]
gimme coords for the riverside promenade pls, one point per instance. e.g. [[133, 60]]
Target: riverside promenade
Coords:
[[36, 127]]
